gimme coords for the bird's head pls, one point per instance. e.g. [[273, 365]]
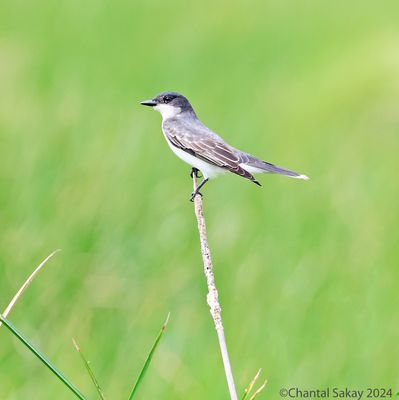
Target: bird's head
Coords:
[[169, 104]]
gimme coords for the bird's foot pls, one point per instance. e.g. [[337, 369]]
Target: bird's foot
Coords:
[[198, 188], [193, 194], [195, 172]]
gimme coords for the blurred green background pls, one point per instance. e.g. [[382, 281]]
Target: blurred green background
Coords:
[[306, 270]]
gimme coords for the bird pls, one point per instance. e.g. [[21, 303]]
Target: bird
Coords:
[[202, 148]]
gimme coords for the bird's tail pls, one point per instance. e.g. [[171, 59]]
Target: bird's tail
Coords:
[[256, 165]]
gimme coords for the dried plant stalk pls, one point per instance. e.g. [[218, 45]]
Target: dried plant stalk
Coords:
[[212, 297], [26, 284]]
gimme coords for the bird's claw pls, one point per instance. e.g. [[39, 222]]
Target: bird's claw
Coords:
[[195, 172], [193, 194]]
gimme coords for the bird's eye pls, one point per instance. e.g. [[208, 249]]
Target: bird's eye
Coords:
[[167, 99]]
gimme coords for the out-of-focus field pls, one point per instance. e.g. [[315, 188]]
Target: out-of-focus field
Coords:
[[307, 271]]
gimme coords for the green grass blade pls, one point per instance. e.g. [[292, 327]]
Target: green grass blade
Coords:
[[148, 360], [248, 390], [259, 390], [43, 359], [251, 385], [89, 370]]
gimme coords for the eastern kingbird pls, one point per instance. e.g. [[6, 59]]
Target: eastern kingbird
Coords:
[[202, 148]]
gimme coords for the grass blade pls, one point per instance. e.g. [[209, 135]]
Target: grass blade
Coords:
[[89, 370], [26, 284], [251, 385], [149, 357], [43, 359], [259, 390], [248, 390]]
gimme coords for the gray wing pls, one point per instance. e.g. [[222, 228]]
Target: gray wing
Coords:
[[199, 141]]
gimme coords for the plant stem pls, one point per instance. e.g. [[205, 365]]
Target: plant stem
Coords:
[[149, 358], [42, 358], [89, 370], [212, 296]]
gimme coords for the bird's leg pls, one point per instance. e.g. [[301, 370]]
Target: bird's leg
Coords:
[[197, 191], [195, 172]]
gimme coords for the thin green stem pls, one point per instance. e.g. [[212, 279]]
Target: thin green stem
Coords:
[[148, 360], [89, 370], [43, 359]]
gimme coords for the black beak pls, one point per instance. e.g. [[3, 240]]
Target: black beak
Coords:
[[150, 103]]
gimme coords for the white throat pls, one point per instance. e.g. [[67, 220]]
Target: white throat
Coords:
[[167, 111]]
